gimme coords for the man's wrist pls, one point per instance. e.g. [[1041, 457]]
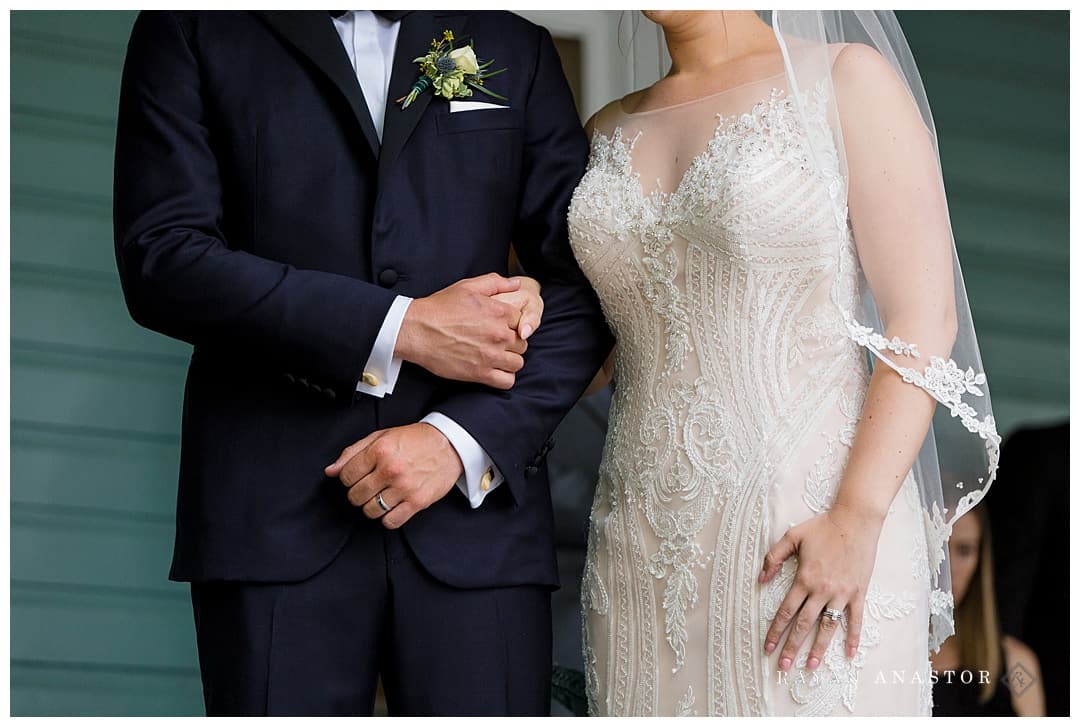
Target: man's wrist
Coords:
[[450, 452], [405, 345], [383, 368], [480, 475]]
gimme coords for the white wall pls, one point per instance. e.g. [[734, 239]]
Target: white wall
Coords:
[[610, 68]]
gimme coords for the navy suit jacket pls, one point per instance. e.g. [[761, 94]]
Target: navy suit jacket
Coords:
[[258, 218]]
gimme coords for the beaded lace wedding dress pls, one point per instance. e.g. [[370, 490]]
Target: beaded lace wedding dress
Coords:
[[711, 242]]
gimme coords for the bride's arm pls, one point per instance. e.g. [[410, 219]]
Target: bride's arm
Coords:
[[900, 220], [901, 225]]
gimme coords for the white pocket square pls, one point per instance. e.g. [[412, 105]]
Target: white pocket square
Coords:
[[456, 106]]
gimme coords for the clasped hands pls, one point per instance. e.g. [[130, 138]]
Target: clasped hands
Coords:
[[475, 330]]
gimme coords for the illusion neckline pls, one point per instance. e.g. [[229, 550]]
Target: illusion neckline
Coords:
[[681, 104], [662, 200]]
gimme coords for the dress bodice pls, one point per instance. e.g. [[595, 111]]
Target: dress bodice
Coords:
[[707, 179], [720, 275]]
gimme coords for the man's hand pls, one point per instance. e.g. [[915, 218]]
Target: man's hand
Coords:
[[463, 333], [409, 467]]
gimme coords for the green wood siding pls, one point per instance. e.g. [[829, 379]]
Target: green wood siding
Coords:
[[96, 629]]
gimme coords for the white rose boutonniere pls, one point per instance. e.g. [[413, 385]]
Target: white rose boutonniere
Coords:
[[451, 72], [465, 60]]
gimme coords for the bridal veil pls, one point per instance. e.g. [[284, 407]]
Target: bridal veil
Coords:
[[859, 161]]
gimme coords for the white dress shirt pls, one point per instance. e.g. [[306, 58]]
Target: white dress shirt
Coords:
[[369, 42]]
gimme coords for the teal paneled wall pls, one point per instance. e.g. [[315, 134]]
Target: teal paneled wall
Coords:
[[95, 626], [95, 404]]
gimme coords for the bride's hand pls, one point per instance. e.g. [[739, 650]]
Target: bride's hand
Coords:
[[836, 552], [526, 299]]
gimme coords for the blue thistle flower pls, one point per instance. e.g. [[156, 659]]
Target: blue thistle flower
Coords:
[[445, 65]]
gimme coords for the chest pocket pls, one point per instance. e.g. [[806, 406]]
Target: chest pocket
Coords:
[[479, 120]]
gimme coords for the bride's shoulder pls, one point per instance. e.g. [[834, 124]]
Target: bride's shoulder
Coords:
[[857, 65], [605, 119], [870, 93]]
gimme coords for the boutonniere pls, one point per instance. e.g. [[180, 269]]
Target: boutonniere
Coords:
[[452, 72]]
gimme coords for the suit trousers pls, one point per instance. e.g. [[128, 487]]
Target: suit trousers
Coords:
[[317, 646]]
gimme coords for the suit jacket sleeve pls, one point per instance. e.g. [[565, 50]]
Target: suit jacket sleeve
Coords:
[[179, 274], [573, 339]]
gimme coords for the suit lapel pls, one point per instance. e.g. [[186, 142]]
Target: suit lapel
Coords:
[[418, 28], [312, 33]]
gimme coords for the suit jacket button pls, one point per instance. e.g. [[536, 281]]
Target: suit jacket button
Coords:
[[388, 277]]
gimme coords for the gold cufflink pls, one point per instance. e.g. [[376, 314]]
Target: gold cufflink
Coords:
[[485, 481], [370, 379]]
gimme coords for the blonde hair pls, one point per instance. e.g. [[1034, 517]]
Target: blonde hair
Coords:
[[977, 629]]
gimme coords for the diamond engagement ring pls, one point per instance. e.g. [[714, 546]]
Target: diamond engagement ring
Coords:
[[833, 614]]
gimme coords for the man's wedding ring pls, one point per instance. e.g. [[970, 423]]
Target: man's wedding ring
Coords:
[[833, 614], [382, 503]]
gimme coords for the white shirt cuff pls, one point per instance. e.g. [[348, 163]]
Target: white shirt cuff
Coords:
[[481, 476], [382, 368]]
